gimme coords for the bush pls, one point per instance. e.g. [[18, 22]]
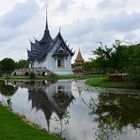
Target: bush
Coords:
[[136, 80], [15, 74], [32, 75]]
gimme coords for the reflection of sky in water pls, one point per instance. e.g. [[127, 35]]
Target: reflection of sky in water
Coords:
[[22, 105], [81, 123]]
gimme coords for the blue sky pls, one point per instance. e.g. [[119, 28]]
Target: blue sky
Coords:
[[83, 23]]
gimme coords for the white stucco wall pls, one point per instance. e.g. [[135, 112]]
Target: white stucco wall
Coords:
[[67, 69]]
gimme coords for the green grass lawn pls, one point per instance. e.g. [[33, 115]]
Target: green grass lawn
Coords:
[[104, 82], [13, 128]]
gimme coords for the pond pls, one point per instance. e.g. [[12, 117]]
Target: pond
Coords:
[[74, 110]]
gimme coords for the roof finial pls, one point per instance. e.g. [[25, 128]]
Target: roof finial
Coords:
[[79, 49], [59, 29], [46, 18]]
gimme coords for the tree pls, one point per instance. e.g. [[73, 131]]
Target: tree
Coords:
[[88, 66], [134, 65], [22, 64], [103, 57], [123, 58], [8, 65], [120, 58]]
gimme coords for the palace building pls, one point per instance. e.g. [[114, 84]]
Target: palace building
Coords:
[[50, 54]]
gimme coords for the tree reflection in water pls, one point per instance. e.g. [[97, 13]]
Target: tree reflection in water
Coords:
[[115, 114], [8, 90]]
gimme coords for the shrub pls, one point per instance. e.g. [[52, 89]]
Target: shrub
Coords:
[[32, 75], [15, 74]]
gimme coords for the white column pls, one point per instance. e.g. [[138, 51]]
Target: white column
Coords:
[[65, 64], [30, 66], [56, 62]]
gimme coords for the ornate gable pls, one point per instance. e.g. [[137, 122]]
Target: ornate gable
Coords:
[[61, 51], [61, 47]]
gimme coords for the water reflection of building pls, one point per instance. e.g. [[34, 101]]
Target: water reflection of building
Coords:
[[55, 98], [50, 97], [40, 101], [30, 85]]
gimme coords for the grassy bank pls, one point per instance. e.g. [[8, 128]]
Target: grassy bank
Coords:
[[104, 82], [73, 76], [13, 128]]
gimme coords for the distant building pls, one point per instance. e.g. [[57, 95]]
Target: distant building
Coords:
[[51, 54], [79, 59], [78, 68]]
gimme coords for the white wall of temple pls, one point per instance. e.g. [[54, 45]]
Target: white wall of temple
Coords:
[[35, 64], [49, 62], [68, 62], [67, 67]]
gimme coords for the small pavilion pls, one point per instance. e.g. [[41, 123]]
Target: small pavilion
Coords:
[[78, 68], [79, 59]]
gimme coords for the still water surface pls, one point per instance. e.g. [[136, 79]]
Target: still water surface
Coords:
[[75, 111]]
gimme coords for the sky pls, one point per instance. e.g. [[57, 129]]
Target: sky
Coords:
[[83, 24]]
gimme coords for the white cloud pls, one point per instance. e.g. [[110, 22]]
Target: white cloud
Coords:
[[7, 5], [122, 22], [83, 23], [20, 14], [111, 4]]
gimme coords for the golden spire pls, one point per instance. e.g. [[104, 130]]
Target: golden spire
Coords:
[[79, 59]]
